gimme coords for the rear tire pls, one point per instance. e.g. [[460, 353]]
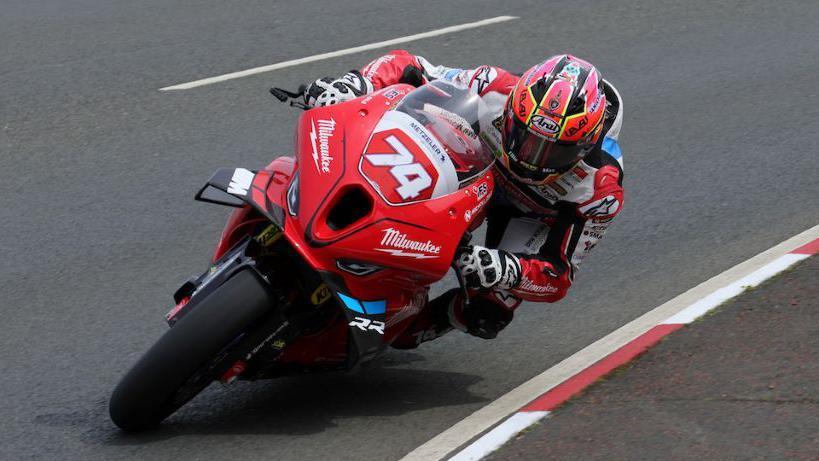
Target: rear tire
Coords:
[[160, 382]]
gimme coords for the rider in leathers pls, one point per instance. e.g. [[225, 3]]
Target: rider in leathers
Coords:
[[559, 176]]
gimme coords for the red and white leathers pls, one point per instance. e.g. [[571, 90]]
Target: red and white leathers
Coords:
[[550, 228]]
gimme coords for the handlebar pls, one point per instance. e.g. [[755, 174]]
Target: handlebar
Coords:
[[293, 97]]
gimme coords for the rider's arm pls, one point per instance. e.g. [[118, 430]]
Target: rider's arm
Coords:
[[547, 276], [400, 66]]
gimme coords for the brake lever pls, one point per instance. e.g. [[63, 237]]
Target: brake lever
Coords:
[[300, 105], [291, 96], [462, 283], [283, 95]]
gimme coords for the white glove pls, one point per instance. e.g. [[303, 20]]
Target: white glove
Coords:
[[326, 91], [482, 267]]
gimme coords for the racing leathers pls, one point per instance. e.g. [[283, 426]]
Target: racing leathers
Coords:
[[548, 228]]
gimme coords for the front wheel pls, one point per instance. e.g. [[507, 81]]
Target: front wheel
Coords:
[[179, 365]]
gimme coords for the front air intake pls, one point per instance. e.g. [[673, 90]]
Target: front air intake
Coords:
[[351, 205]]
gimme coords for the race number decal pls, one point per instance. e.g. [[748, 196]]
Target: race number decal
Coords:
[[397, 167]]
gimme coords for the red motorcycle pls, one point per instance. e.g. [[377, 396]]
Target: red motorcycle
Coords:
[[329, 255]]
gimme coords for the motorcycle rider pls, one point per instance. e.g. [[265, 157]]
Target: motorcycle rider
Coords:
[[554, 131]]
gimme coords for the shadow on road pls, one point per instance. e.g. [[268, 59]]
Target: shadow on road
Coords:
[[293, 406]]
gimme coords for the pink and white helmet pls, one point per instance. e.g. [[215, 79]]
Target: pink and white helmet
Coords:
[[553, 118]]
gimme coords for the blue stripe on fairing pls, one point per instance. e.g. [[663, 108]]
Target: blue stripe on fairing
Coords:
[[375, 307], [351, 303], [612, 147], [364, 307]]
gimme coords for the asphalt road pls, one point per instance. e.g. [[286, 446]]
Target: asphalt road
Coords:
[[722, 388], [99, 169]]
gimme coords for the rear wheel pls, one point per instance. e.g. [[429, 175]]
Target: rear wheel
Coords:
[[182, 362]]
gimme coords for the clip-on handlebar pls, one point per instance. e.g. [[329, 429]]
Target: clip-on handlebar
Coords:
[[289, 96]]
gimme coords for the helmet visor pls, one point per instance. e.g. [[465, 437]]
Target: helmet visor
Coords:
[[536, 156]]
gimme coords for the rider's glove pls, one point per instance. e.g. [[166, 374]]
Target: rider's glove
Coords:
[[482, 267], [326, 91]]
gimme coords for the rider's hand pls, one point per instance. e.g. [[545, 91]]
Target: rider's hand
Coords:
[[482, 267], [326, 91]]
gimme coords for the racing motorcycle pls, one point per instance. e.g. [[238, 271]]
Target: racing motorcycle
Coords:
[[328, 255]]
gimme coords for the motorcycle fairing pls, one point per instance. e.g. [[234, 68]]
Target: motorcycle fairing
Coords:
[[404, 248], [249, 187], [277, 178], [401, 148], [367, 321]]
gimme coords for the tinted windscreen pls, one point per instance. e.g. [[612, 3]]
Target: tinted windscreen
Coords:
[[451, 113]]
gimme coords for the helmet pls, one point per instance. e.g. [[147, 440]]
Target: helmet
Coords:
[[553, 118]]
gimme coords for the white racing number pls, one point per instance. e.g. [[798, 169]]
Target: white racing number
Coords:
[[411, 176]]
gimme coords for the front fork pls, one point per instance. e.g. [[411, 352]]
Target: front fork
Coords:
[[268, 338], [198, 287], [234, 358]]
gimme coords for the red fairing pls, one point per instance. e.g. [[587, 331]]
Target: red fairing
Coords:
[[388, 69], [244, 219], [414, 209], [409, 232]]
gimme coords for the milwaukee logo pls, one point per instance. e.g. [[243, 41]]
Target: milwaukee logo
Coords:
[[371, 70], [321, 152], [528, 285], [399, 243]]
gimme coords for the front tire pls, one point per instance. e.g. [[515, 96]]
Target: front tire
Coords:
[[171, 372]]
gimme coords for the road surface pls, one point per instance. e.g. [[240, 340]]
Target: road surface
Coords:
[[99, 169]]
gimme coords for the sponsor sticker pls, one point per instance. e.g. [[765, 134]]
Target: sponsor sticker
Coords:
[[365, 324], [605, 206], [320, 295], [240, 181], [483, 77], [401, 245], [580, 172], [480, 190], [532, 287], [481, 203], [544, 125], [320, 134], [571, 131], [372, 69], [269, 236], [498, 123], [438, 152], [570, 72], [546, 192]]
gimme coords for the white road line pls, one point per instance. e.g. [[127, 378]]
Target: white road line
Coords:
[[499, 435], [699, 308], [333, 54], [489, 416]]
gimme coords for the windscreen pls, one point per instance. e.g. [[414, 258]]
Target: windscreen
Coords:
[[451, 113]]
